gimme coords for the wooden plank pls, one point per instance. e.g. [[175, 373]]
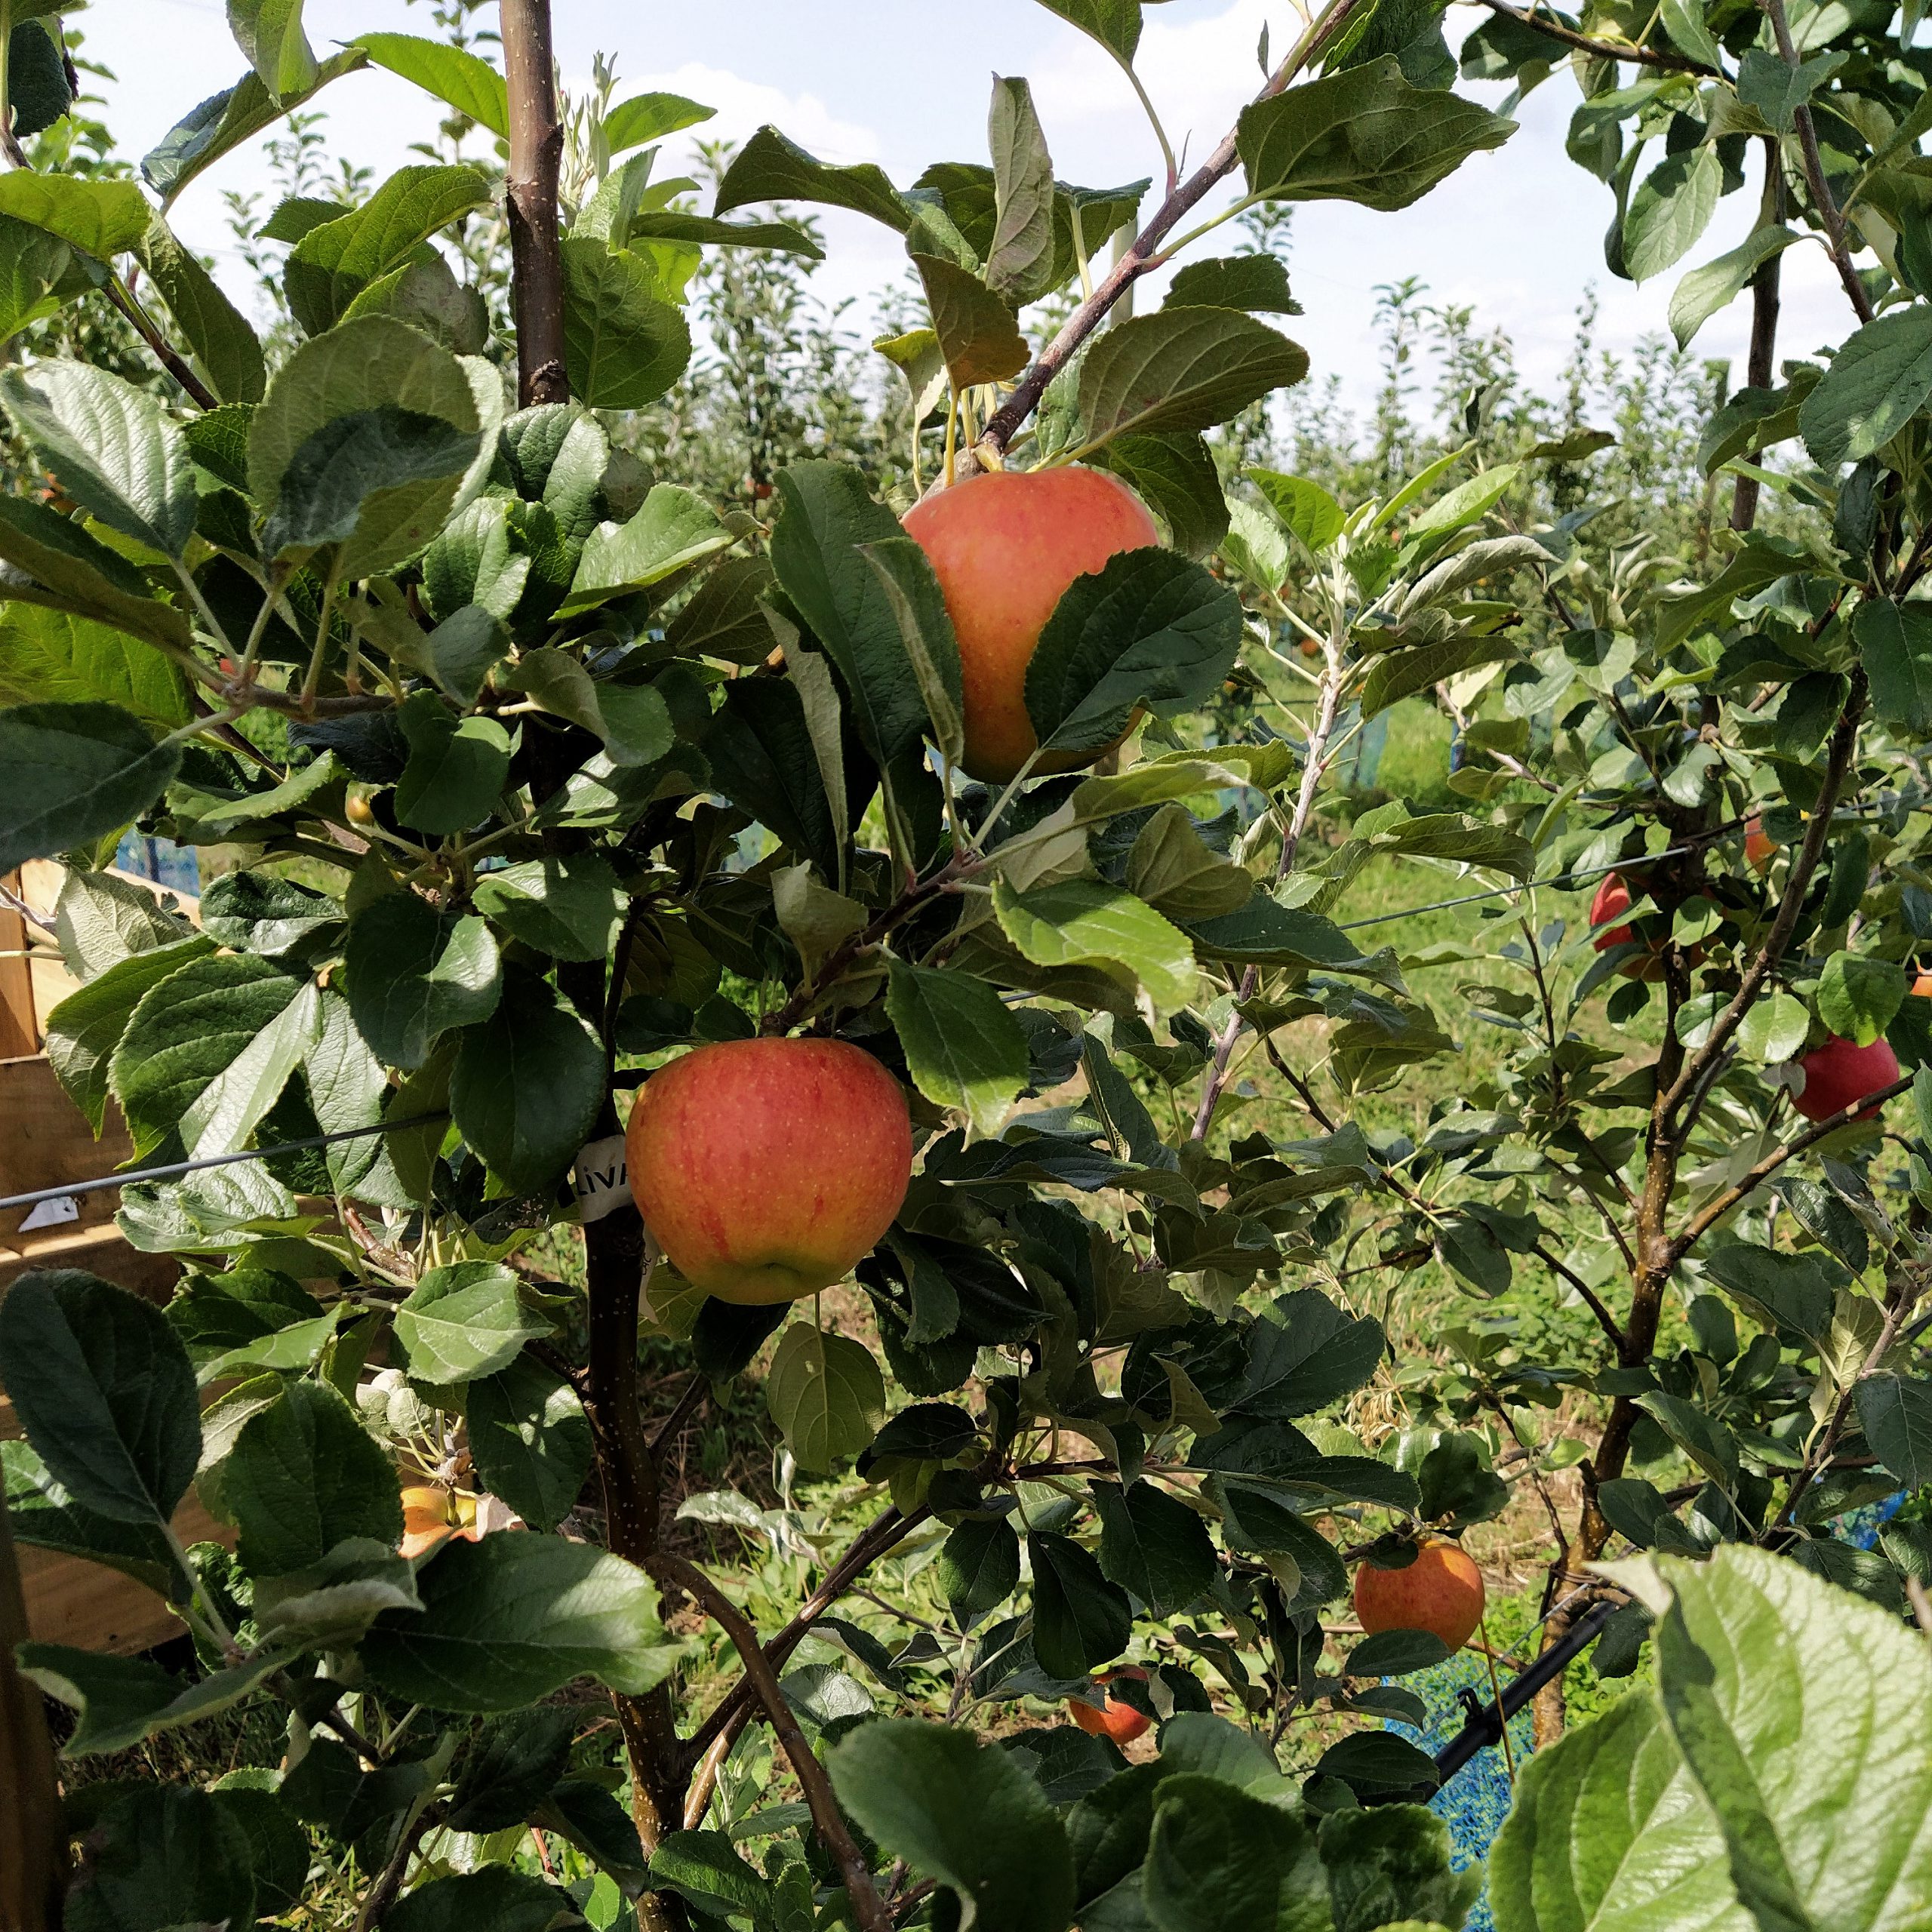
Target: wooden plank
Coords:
[[71, 1601], [18, 1033], [45, 1140]]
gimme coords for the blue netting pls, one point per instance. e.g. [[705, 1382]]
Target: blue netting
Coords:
[[1476, 1801], [177, 867]]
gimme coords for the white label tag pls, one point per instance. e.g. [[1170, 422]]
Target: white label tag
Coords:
[[51, 1214], [601, 1180]]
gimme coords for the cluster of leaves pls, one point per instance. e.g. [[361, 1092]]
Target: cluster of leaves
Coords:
[[545, 772]]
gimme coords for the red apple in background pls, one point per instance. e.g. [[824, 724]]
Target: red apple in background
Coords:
[[1441, 1592], [1759, 848], [1612, 902], [1838, 1073], [1005, 545], [1120, 1721], [767, 1168]]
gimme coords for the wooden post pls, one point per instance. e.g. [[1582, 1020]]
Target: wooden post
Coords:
[[33, 1843], [18, 1034]]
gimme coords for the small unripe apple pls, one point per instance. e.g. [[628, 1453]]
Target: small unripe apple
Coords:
[[429, 1514], [1838, 1073], [1759, 848], [1005, 545], [1441, 1592], [359, 811], [1120, 1721], [766, 1169]]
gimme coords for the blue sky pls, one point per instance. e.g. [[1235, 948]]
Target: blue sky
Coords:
[[1518, 233]]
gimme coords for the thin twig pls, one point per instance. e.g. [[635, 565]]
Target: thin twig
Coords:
[[862, 1894], [1604, 49]]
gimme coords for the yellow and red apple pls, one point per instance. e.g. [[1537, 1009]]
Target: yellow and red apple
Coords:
[[1441, 1592], [766, 1169], [429, 1514], [1115, 1718], [1006, 546]]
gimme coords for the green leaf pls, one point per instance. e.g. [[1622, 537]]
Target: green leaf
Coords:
[[369, 362], [44, 1515], [1081, 1621], [110, 448], [1314, 1355], [208, 1051], [414, 971], [1671, 210], [633, 720], [1115, 24], [494, 1895], [769, 167], [528, 1085], [1019, 263], [1154, 1546], [650, 117], [1391, 1859], [925, 629], [164, 1856], [458, 767], [1257, 283], [103, 1388], [962, 1813], [123, 1701], [303, 1476], [329, 1605], [467, 1320], [624, 345], [1880, 379], [226, 121], [53, 657], [512, 1618], [100, 919], [1858, 995], [1173, 868], [1400, 674], [1085, 922], [1361, 135], [1896, 1414], [826, 1394], [465, 80], [225, 347], [1219, 1861], [215, 1314], [102, 218], [269, 32], [569, 908], [1787, 1698], [1895, 646], [674, 528], [1305, 508], [1174, 474], [1147, 627], [704, 1869], [1180, 369], [725, 617], [376, 482], [1714, 286], [668, 225], [828, 513], [979, 1567], [964, 1048], [69, 569], [530, 1440], [979, 339], [35, 275]]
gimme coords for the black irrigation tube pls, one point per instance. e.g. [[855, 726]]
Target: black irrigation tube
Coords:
[[1484, 1725], [174, 1170]]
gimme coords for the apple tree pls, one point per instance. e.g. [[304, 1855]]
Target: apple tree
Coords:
[[923, 893]]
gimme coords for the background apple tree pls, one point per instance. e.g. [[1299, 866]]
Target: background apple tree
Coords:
[[549, 770]]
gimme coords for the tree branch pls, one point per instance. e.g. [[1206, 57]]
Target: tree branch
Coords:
[[1586, 1293], [1713, 1211], [1822, 197], [866, 1906], [164, 352], [536, 154], [1761, 364], [1845, 744], [1605, 50], [1004, 423]]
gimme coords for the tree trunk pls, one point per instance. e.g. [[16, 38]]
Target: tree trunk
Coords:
[[536, 154]]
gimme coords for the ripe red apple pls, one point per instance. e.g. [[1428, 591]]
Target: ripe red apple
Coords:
[[1612, 902], [1759, 848], [1441, 1591], [1005, 545], [1837, 1073], [767, 1168], [1120, 1721]]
